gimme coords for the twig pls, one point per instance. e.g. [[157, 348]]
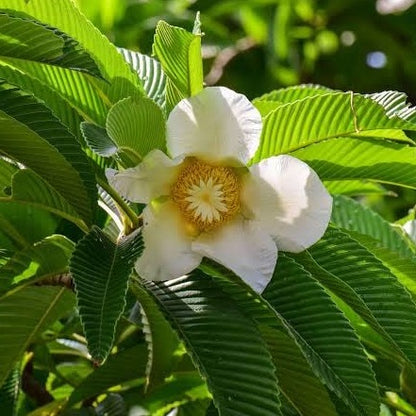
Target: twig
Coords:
[[225, 56]]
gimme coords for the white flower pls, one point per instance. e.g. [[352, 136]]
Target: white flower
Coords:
[[410, 228], [204, 201]]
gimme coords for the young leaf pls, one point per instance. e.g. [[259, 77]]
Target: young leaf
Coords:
[[150, 72], [101, 269], [98, 140], [21, 324], [179, 52], [224, 344], [136, 126]]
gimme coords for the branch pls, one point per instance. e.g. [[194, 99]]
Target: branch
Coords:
[[225, 56]]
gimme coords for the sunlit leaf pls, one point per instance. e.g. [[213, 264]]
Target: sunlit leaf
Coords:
[[179, 52], [150, 72]]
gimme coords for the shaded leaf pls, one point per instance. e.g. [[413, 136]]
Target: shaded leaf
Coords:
[[354, 216], [119, 368], [213, 328], [388, 302], [98, 140], [46, 258], [29, 189], [101, 269], [32, 135], [296, 380], [162, 342], [325, 336], [20, 324]]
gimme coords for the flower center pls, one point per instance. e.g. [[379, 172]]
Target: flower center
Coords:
[[206, 195]]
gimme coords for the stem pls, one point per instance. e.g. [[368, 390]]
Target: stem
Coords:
[[123, 206], [393, 400]]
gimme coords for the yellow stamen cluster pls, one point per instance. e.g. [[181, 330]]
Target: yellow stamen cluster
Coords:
[[207, 195]]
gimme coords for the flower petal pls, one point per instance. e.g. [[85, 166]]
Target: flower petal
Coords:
[[216, 124], [289, 200], [243, 248], [410, 228], [148, 180], [167, 253]]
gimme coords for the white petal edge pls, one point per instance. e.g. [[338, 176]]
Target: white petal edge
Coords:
[[167, 250], [148, 180], [243, 248], [289, 200], [410, 228], [216, 124]]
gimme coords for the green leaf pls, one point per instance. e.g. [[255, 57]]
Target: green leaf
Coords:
[[296, 380], [150, 72], [324, 335], [180, 388], [112, 405], [29, 189], [32, 135], [393, 102], [136, 126], [225, 345], [24, 315], [362, 158], [162, 342], [9, 393], [63, 14], [403, 268], [296, 125], [101, 269], [46, 258], [295, 93], [389, 304], [18, 229], [194, 408], [356, 188], [61, 108], [30, 40], [119, 368], [351, 215], [98, 140], [179, 52]]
